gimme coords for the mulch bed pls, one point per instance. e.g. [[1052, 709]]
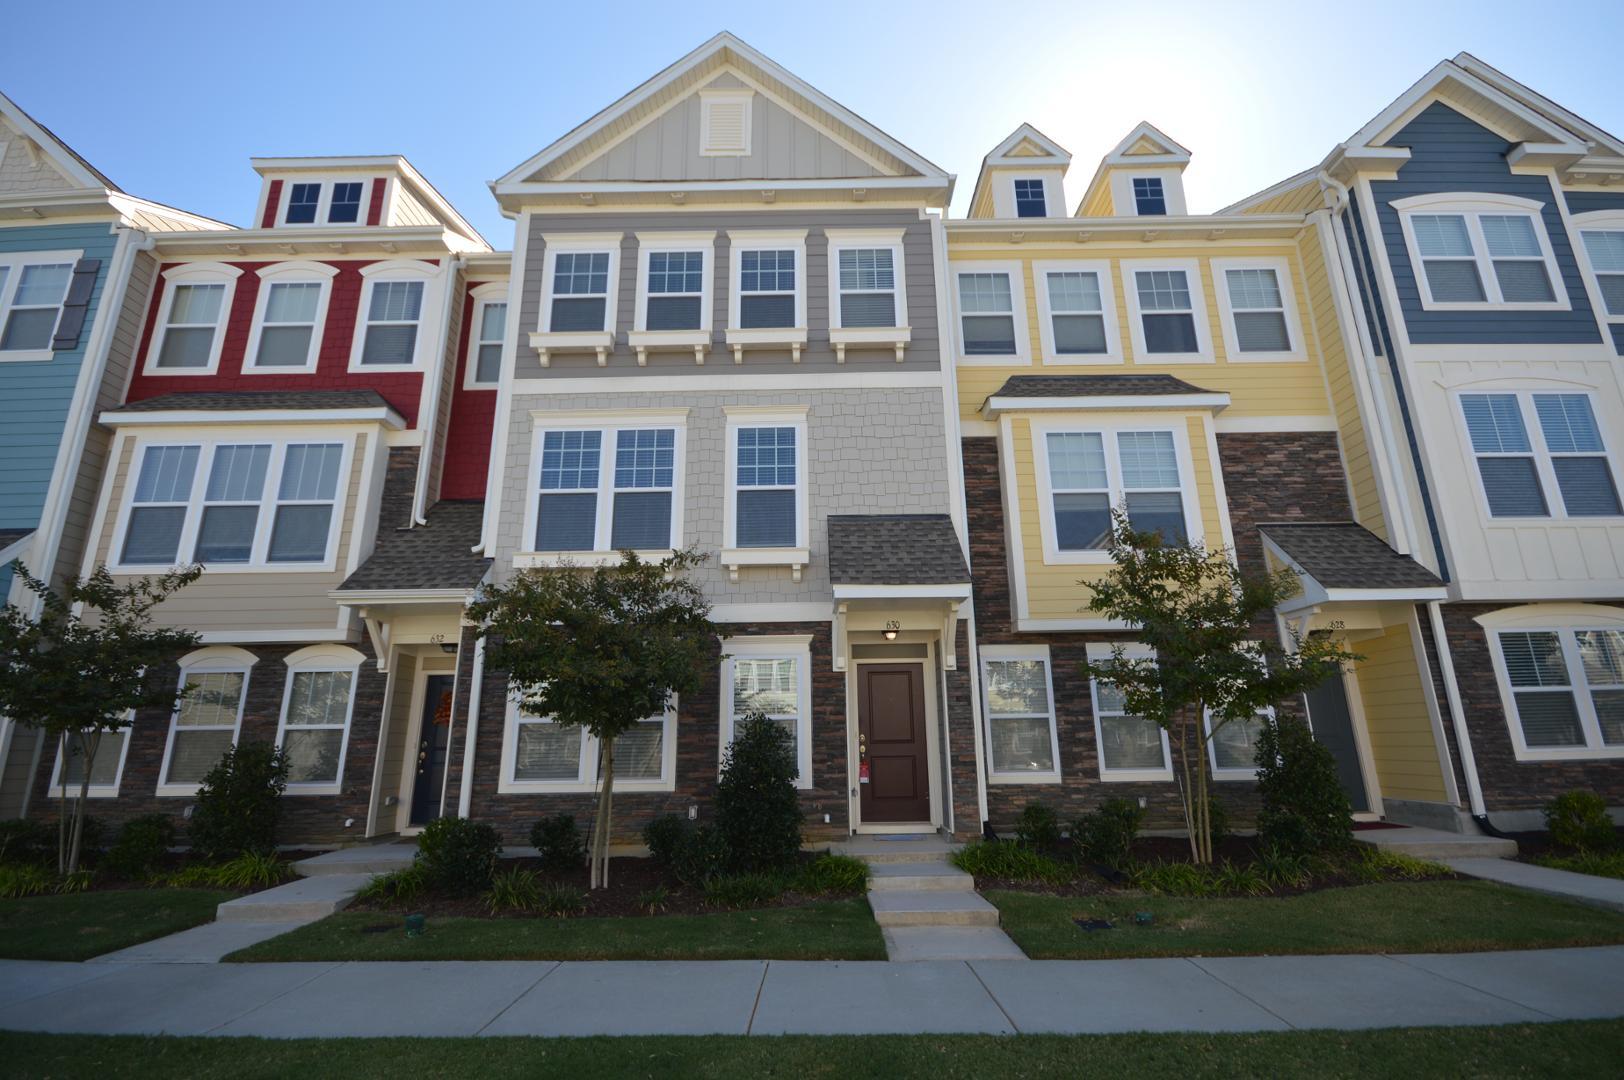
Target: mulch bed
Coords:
[[1532, 846], [176, 860]]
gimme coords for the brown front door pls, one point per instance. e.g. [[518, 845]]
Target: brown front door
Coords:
[[891, 741]]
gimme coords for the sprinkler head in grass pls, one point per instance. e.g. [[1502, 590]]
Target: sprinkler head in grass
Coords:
[[1143, 918], [415, 925]]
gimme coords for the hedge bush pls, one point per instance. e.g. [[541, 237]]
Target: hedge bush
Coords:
[[758, 812], [1304, 809], [1105, 836], [239, 802], [558, 841], [140, 847], [1578, 821], [1038, 828], [458, 856]]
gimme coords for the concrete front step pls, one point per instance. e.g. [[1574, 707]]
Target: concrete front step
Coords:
[[306, 899], [931, 908], [920, 943], [919, 877], [366, 859], [874, 851], [1436, 843]]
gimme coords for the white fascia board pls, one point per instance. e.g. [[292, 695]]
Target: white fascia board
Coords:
[[621, 187], [902, 592], [373, 597], [1534, 100], [997, 405], [379, 415], [1419, 595], [1082, 229], [63, 159], [318, 241]]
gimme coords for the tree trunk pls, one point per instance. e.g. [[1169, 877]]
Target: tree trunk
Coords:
[[89, 743], [61, 807], [599, 870], [1191, 827]]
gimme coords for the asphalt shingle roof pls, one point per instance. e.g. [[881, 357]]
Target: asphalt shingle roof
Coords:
[[1095, 386], [249, 400], [1346, 555], [895, 549], [11, 536], [432, 556]]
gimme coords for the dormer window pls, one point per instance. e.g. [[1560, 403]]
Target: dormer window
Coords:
[[303, 199], [1149, 197], [346, 206], [317, 202], [1029, 199], [1479, 251]]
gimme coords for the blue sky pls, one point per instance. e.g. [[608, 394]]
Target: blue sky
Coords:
[[173, 105]]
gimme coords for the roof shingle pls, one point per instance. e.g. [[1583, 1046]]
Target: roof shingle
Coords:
[[433, 556], [895, 549], [249, 400], [1095, 386], [1346, 555]]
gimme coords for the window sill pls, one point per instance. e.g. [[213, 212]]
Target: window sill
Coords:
[[95, 792], [791, 337], [1139, 776], [177, 791], [1490, 305], [1234, 776], [1012, 779], [304, 369], [314, 789], [545, 560], [26, 356], [844, 337], [1576, 753], [592, 341], [794, 558], [647, 341], [577, 787]]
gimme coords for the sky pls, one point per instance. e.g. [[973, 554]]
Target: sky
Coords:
[[172, 106]]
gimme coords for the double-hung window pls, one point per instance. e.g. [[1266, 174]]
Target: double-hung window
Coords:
[[1077, 312], [304, 503], [1527, 444], [345, 207], [767, 481], [1029, 198], [1480, 251], [191, 319], [105, 771], [867, 293], [1602, 237], [579, 300], [316, 706], [675, 290], [289, 316], [1090, 473], [393, 312], [988, 309], [771, 676], [1149, 197], [31, 295], [231, 501], [540, 754], [303, 200], [1130, 747], [158, 506], [608, 488], [1564, 686], [489, 327], [205, 724], [1233, 745], [1022, 743], [1169, 312], [766, 289], [1256, 298]]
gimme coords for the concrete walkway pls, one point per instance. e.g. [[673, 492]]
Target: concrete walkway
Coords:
[[833, 997], [1585, 888]]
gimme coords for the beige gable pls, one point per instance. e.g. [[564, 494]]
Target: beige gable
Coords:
[[26, 167], [1027, 148], [782, 146], [1145, 145]]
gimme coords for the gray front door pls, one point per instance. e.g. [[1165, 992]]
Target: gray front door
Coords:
[[1332, 723]]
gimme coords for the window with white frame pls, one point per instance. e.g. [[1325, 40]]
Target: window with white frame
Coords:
[[767, 288], [1130, 747], [1091, 472], [771, 676], [580, 290], [345, 207], [540, 754], [191, 319], [1149, 197], [288, 317], [1029, 198], [314, 202], [674, 290], [866, 280], [1022, 742], [1232, 747], [170, 516], [627, 503], [1530, 444], [203, 727], [766, 485], [1079, 318], [1256, 299], [490, 325], [987, 314], [106, 770], [303, 201], [1480, 250], [394, 310], [1168, 313], [1566, 690], [1605, 249], [31, 296], [316, 707]]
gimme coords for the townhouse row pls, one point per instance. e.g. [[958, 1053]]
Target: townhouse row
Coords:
[[737, 317]]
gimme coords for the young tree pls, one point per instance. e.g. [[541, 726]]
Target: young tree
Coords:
[[77, 671], [1200, 614], [600, 649]]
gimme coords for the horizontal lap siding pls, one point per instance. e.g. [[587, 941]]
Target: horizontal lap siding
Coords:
[[1583, 202], [1450, 153], [1395, 708]]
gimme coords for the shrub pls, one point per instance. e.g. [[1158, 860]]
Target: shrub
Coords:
[[77, 882], [561, 901], [1007, 861], [1238, 879], [1596, 864], [1397, 866], [744, 890], [198, 876], [457, 855], [701, 856], [558, 842], [1174, 879], [24, 879], [401, 886], [1218, 819], [517, 889], [653, 900], [1578, 821], [1106, 835], [1284, 869], [833, 874], [758, 812], [238, 802], [1038, 828], [251, 870], [26, 842], [141, 845], [1304, 809], [664, 835]]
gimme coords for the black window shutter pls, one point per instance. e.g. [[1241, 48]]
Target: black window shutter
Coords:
[[72, 322]]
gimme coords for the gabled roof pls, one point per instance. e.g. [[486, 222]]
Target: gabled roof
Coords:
[[396, 163], [1147, 145], [1340, 555], [724, 52], [1604, 143], [63, 157], [1025, 147], [431, 557], [895, 549]]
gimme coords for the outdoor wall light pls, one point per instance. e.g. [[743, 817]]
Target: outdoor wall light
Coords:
[[448, 647], [891, 629]]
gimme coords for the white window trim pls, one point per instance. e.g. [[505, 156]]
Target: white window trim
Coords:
[[608, 424], [1562, 620], [222, 660], [1103, 650], [743, 240], [1021, 652], [1472, 205], [555, 244], [324, 201], [1108, 311], [15, 262], [206, 273], [1189, 496], [320, 658], [711, 95], [797, 647], [586, 777], [732, 555], [1017, 301], [1288, 300], [1196, 281], [259, 563], [427, 316], [1221, 774], [641, 337], [290, 273], [96, 791], [1539, 451], [1595, 221], [842, 337], [494, 292], [1049, 196]]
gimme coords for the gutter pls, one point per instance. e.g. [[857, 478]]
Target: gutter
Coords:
[[453, 268], [465, 795], [504, 389], [1457, 718]]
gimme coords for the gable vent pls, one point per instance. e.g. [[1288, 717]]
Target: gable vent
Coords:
[[724, 124]]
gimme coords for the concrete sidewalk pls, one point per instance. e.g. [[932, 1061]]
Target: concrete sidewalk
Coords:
[[1584, 888], [832, 997]]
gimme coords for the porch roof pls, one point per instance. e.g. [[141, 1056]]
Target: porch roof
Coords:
[[431, 557], [895, 549], [1345, 555], [1026, 393]]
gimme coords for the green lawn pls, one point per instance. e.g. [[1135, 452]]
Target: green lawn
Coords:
[[835, 930], [1579, 1049], [81, 925], [1422, 916]]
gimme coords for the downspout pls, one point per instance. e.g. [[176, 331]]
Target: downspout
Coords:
[[465, 795], [431, 408], [1457, 718]]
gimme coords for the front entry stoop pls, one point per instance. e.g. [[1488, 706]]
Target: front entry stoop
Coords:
[[926, 907]]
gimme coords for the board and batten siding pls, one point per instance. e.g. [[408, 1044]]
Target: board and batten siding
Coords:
[[1451, 153], [919, 276], [1402, 743], [226, 602]]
